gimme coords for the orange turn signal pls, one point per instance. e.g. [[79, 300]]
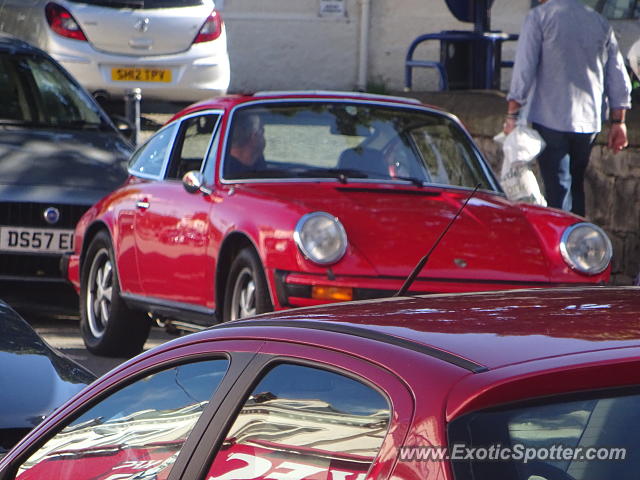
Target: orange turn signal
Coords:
[[337, 294]]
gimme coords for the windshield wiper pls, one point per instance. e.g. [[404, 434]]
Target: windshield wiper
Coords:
[[80, 125], [259, 173], [341, 174], [21, 123], [416, 181]]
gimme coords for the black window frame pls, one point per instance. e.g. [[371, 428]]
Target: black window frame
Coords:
[[212, 440], [237, 362]]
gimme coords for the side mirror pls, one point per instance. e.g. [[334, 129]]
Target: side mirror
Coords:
[[193, 182]]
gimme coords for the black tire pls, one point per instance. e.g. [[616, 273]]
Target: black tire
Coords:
[[108, 326], [246, 292]]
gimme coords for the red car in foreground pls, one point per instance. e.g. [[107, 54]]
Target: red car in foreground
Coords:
[[529, 384], [247, 204]]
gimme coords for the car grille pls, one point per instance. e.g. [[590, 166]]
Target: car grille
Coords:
[[30, 266], [35, 266], [32, 214]]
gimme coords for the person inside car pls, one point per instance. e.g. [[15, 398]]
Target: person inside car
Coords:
[[246, 153]]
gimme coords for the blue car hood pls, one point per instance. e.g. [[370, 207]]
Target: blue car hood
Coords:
[[34, 378], [61, 166]]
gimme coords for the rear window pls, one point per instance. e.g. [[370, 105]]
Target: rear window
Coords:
[[569, 439], [142, 4]]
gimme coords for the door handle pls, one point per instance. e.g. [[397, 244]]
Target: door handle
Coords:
[[143, 204]]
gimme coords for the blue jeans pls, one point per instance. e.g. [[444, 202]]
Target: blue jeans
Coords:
[[563, 163]]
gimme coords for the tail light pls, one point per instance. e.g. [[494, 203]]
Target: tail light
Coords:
[[211, 29], [62, 22]]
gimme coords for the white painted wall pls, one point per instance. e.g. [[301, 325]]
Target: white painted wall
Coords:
[[287, 44]]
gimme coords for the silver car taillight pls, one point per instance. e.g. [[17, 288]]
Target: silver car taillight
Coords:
[[63, 23], [211, 29]]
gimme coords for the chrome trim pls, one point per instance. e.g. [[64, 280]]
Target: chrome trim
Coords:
[[51, 215], [178, 124], [298, 240], [353, 181], [567, 257], [488, 173], [186, 312], [338, 94]]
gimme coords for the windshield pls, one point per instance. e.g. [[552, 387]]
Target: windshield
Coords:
[[351, 141], [35, 92], [590, 438]]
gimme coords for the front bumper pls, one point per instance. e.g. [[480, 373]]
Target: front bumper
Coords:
[[296, 289], [70, 270]]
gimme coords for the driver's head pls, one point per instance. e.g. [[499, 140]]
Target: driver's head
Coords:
[[248, 133]]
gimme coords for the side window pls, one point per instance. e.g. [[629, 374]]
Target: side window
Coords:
[[209, 171], [137, 432], [304, 422], [149, 160], [192, 145]]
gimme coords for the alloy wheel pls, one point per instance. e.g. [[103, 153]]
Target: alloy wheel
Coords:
[[100, 292], [243, 301]]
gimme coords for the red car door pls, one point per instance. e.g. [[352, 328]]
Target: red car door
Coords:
[[313, 414], [172, 226]]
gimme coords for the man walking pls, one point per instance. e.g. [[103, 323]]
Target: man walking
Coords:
[[568, 67]]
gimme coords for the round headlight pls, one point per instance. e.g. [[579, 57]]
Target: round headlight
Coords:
[[321, 237], [586, 248]]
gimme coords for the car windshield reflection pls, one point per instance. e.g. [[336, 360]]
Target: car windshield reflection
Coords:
[[350, 141], [36, 93]]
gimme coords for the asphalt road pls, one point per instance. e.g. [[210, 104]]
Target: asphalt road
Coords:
[[60, 327]]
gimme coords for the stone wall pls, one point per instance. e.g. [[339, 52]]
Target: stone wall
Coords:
[[612, 182]]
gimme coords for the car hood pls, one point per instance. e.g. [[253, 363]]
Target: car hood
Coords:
[[50, 164], [394, 227], [34, 379]]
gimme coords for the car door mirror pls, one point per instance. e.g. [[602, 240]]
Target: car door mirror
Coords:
[[193, 182]]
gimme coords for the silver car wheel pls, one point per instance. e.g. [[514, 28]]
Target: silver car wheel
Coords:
[[243, 301], [99, 292]]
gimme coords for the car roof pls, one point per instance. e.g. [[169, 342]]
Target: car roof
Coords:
[[9, 43], [483, 330], [227, 102]]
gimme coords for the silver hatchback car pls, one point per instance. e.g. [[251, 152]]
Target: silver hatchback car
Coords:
[[172, 49]]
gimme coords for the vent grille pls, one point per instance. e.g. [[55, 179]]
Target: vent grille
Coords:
[[35, 266], [32, 214]]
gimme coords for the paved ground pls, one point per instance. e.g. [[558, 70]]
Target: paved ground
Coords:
[[62, 331]]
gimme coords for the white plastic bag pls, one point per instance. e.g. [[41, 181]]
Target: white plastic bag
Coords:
[[520, 148]]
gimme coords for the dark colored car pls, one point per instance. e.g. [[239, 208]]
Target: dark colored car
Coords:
[[347, 192], [59, 153], [522, 385], [34, 378]]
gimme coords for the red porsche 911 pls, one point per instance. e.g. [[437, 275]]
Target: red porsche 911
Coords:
[[246, 204]]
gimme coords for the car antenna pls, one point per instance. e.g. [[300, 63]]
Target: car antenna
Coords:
[[418, 268]]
